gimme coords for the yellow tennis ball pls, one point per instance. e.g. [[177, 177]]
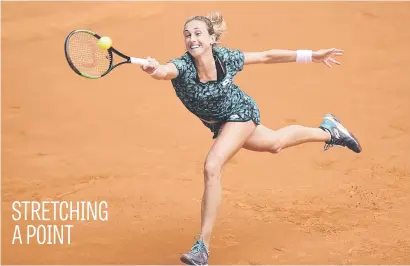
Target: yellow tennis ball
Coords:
[[105, 42]]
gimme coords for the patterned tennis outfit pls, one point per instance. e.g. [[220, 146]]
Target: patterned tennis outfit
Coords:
[[219, 101]]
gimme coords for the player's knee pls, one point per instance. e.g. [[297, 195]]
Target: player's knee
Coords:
[[212, 170], [276, 146]]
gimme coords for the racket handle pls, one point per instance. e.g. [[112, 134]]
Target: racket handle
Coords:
[[139, 61]]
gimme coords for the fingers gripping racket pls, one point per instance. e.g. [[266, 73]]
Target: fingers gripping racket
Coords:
[[88, 59]]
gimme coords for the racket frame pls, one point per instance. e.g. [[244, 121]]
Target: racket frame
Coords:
[[111, 50]]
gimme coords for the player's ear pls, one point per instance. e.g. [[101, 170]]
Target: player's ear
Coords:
[[213, 39]]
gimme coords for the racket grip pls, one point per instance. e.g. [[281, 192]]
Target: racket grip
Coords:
[[139, 61]]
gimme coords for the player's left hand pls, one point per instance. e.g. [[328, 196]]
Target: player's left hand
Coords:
[[325, 56]]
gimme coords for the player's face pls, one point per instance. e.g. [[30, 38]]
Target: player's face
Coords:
[[197, 38]]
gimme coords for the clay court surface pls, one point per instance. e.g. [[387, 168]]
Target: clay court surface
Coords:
[[128, 140]]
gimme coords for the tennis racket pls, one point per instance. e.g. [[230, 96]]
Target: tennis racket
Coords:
[[88, 59]]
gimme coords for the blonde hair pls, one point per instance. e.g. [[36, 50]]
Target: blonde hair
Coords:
[[215, 24]]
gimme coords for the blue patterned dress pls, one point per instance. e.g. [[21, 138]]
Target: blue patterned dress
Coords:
[[217, 101]]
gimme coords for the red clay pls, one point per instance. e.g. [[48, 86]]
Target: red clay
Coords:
[[128, 140]]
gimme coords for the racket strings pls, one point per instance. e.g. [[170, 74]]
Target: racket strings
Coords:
[[87, 56]]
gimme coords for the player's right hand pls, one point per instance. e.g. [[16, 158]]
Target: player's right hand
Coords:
[[151, 67]]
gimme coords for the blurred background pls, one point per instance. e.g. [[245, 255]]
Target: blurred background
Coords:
[[128, 140]]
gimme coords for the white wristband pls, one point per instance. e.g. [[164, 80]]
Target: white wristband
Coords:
[[304, 56]]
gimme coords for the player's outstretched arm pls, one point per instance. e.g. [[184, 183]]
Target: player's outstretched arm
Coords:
[[160, 72], [287, 56]]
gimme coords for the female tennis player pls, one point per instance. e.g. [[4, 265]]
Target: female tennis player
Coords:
[[203, 80]]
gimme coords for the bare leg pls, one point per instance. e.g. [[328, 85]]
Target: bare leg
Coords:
[[264, 139], [234, 136], [229, 141]]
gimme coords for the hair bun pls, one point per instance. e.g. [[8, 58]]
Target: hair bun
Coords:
[[218, 23], [215, 17]]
